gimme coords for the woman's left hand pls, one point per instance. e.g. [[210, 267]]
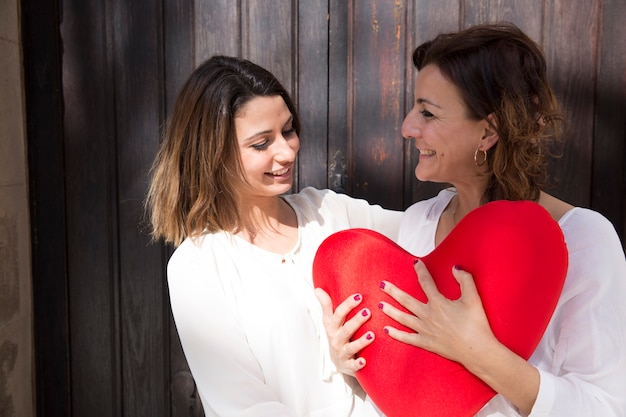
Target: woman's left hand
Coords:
[[343, 350], [455, 329]]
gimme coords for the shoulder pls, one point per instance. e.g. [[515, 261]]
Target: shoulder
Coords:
[[312, 199], [584, 227], [195, 256]]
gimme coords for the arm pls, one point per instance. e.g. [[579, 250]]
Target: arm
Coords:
[[227, 374]]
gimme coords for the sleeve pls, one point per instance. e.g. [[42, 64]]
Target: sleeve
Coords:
[[587, 373], [358, 213], [213, 340]]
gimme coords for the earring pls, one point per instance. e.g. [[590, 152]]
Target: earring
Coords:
[[481, 163]]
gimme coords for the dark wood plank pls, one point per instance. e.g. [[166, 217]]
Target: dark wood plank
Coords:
[[178, 46], [268, 38], [377, 101], [217, 29], [91, 231], [572, 71], [41, 48], [339, 62], [609, 149], [144, 320], [179, 52], [312, 92], [527, 15]]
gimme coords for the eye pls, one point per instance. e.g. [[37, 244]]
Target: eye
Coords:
[[289, 132], [261, 146], [427, 114]]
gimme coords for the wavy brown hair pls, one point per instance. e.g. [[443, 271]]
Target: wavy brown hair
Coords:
[[195, 174], [499, 70]]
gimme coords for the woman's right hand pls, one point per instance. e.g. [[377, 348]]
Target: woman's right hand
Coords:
[[339, 331]]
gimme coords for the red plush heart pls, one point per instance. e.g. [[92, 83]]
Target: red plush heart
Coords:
[[517, 255]]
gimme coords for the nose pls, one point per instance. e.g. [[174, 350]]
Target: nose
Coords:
[[287, 147], [410, 125]]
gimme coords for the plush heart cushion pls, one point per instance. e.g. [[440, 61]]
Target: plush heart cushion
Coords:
[[517, 255]]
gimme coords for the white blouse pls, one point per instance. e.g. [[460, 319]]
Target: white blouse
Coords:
[[250, 324], [582, 355]]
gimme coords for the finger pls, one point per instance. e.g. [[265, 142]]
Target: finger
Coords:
[[351, 326], [411, 321], [469, 291], [426, 280], [406, 300], [402, 336], [326, 303], [356, 346]]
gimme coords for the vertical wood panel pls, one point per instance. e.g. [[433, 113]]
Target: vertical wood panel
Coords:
[[217, 28], [339, 62], [92, 241], [312, 91], [570, 35], [527, 14], [43, 100], [378, 101], [143, 302], [609, 147], [179, 52], [268, 38]]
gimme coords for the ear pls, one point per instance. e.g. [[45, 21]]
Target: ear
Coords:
[[490, 136]]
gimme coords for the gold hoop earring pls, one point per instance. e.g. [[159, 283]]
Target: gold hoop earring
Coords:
[[481, 163]]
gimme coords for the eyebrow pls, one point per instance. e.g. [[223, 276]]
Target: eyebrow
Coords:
[[424, 100], [265, 132]]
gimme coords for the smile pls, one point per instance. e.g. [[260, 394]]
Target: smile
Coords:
[[279, 173], [427, 152]]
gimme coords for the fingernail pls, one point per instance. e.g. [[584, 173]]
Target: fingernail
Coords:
[[357, 297], [369, 336], [458, 268], [364, 313], [386, 330], [381, 305], [361, 363], [416, 261], [382, 285]]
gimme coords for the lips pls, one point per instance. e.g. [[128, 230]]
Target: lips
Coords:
[[427, 152]]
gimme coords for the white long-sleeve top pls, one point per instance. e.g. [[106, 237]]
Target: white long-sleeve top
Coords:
[[582, 355], [249, 322]]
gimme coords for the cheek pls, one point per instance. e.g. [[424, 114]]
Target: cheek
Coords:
[[295, 144]]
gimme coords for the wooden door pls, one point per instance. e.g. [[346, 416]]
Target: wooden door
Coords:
[[101, 77]]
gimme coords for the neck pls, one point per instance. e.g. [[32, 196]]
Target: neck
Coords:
[[265, 217], [465, 201]]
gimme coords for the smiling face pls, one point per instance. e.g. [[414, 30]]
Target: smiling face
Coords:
[[444, 134], [268, 145]]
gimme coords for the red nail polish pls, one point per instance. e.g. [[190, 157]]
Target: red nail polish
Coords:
[[369, 336], [382, 285], [357, 297], [416, 261], [361, 363], [381, 305], [364, 313], [386, 330]]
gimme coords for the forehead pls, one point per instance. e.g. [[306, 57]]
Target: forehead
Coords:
[[431, 84], [261, 114]]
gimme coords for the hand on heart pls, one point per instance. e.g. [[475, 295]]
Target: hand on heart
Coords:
[[517, 256]]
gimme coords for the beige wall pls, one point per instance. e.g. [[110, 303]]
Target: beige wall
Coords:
[[16, 352]]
